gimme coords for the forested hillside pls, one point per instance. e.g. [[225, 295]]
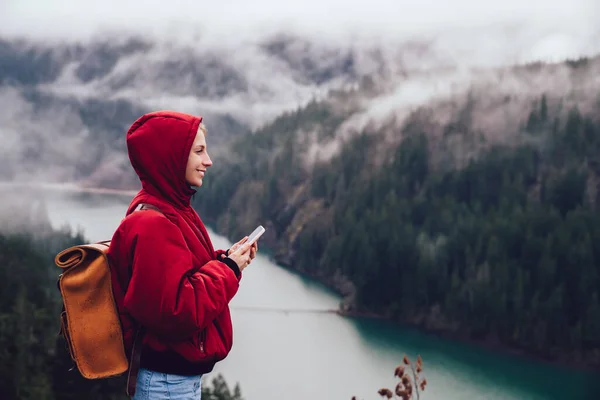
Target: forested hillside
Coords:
[[493, 238]]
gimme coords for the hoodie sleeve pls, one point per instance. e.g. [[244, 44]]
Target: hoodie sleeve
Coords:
[[221, 254], [164, 293]]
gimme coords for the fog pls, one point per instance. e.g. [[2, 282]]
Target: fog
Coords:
[[254, 60], [553, 26]]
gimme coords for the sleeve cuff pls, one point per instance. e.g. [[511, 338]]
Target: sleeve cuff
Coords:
[[233, 265]]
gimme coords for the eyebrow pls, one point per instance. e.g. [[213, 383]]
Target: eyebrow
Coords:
[[200, 146]]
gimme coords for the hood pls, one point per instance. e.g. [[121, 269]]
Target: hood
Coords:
[[158, 145]]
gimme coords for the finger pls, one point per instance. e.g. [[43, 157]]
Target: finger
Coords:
[[239, 243], [240, 247], [245, 248]]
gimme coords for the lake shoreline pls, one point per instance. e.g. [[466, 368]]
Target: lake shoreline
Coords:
[[562, 359]]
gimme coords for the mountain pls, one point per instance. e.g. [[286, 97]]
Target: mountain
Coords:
[[449, 191], [66, 107], [68, 103], [461, 202]]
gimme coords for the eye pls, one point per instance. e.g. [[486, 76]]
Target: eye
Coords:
[[199, 151]]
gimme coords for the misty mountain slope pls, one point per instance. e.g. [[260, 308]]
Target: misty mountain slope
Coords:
[[83, 97], [86, 94], [462, 115], [222, 79], [462, 110], [470, 209]]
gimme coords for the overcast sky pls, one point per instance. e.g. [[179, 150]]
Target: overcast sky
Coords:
[[574, 21]]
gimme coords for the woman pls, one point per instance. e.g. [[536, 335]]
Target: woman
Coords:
[[169, 283]]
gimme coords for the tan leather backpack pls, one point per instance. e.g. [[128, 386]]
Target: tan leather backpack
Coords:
[[89, 319]]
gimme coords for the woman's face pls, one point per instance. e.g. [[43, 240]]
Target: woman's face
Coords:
[[198, 161]]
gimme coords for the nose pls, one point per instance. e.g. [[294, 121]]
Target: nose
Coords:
[[207, 162]]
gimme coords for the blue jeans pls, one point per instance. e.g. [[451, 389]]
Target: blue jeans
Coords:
[[160, 386]]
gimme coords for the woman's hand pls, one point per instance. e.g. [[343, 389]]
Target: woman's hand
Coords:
[[242, 256], [235, 246], [253, 251]]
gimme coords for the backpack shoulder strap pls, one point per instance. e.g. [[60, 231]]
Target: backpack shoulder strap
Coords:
[[134, 363], [136, 352]]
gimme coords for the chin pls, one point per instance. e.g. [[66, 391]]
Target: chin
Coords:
[[196, 183]]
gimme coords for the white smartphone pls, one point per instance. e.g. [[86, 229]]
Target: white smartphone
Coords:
[[255, 234]]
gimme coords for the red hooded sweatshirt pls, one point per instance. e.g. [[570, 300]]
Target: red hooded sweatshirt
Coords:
[[166, 275]]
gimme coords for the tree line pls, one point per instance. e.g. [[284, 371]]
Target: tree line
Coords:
[[505, 247]]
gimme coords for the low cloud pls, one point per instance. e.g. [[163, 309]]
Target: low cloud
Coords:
[[552, 26], [243, 63]]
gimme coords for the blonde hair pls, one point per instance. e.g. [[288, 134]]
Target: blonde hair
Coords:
[[202, 127]]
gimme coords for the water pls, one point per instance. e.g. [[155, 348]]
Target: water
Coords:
[[299, 356]]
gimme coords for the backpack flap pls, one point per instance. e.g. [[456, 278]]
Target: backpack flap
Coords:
[[90, 320]]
